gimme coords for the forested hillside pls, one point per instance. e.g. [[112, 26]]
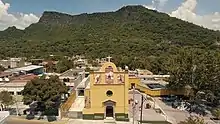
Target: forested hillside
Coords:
[[133, 36], [130, 33]]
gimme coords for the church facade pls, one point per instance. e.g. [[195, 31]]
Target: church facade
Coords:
[[107, 94]]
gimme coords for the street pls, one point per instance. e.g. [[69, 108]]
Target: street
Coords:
[[22, 121], [14, 120]]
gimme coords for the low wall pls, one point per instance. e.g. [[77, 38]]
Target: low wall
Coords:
[[64, 108], [101, 116], [159, 92], [75, 115]]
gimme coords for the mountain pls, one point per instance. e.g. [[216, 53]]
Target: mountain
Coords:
[[131, 31]]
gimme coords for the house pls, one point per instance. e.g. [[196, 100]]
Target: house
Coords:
[[14, 63], [72, 77], [16, 84]]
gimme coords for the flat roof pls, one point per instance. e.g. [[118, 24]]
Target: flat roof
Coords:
[[3, 74], [26, 68], [70, 73], [153, 76], [162, 82], [24, 77], [14, 84]]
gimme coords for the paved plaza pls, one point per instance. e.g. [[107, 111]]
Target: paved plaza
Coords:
[[80, 121]]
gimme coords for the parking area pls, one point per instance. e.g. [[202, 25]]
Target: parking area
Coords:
[[149, 113]]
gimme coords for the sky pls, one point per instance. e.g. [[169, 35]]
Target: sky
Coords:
[[22, 13]]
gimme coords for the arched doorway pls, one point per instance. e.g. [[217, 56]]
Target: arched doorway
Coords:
[[109, 111]]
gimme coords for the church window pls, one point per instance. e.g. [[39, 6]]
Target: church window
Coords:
[[109, 93]]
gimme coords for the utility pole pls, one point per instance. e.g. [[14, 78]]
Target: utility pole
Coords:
[[133, 106], [142, 101], [16, 101]]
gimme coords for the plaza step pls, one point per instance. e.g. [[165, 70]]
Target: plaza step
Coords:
[[109, 120]]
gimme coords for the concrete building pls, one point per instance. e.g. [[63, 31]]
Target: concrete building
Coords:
[[5, 76], [72, 77], [14, 63], [31, 69], [16, 85]]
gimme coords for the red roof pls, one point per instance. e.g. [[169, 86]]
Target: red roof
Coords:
[[24, 78], [3, 74]]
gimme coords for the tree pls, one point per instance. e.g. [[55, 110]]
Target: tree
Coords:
[[216, 113], [188, 91], [193, 120], [50, 67], [6, 98], [2, 68], [45, 92], [64, 65]]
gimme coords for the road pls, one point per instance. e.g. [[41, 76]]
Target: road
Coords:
[[148, 114], [20, 121], [177, 115], [14, 120]]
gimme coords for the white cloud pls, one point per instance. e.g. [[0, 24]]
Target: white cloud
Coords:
[[186, 12], [21, 21], [156, 4], [152, 6]]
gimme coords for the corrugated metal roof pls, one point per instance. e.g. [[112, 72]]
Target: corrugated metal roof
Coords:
[[27, 68]]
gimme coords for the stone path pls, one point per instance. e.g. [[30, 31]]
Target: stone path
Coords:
[[78, 104]]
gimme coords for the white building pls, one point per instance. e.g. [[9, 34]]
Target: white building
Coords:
[[14, 63]]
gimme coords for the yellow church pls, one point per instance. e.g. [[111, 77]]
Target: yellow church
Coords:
[[107, 94]]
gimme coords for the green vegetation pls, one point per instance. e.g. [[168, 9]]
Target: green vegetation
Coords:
[[6, 99], [2, 68], [193, 120], [133, 36], [46, 92], [63, 65], [199, 71], [216, 113]]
